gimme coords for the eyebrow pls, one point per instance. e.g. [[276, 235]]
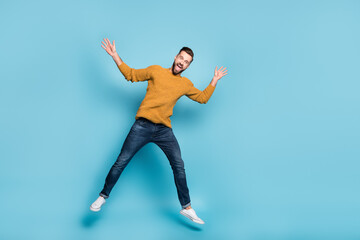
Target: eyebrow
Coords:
[[185, 59]]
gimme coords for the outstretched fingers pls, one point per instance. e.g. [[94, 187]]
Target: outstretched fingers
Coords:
[[224, 72], [103, 45], [222, 69], [106, 44], [221, 72]]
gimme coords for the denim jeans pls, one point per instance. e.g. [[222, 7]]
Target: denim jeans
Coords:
[[142, 132]]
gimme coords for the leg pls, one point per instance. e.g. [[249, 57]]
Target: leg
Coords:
[[135, 140], [166, 140]]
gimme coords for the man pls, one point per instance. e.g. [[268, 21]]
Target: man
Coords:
[[152, 124]]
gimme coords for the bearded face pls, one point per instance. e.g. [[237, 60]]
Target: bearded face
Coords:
[[181, 63]]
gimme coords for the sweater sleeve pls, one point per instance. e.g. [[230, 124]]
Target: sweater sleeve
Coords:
[[200, 96], [135, 75]]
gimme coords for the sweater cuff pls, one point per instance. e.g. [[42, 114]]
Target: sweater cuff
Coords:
[[124, 68], [210, 89]]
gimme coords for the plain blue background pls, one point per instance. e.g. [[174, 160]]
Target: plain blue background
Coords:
[[274, 154]]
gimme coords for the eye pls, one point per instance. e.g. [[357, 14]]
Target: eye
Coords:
[[186, 61], [181, 57]]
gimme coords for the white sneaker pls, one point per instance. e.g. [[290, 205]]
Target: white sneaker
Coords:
[[96, 206], [190, 213]]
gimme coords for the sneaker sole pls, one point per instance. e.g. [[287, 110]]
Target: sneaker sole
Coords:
[[192, 219], [95, 209]]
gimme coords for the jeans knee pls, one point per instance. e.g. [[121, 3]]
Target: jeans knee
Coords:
[[121, 162], [179, 169]]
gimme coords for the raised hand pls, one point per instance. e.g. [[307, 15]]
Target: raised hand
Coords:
[[109, 48], [219, 73]]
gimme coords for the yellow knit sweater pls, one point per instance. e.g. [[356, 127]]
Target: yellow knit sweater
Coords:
[[164, 89]]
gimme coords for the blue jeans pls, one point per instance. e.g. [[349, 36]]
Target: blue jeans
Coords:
[[142, 132]]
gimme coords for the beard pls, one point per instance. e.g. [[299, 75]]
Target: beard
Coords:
[[173, 67]]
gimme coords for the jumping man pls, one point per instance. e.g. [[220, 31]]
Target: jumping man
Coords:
[[152, 121]]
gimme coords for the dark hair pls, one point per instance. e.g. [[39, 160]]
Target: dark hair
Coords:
[[188, 51]]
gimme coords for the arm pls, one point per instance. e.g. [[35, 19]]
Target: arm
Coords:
[[204, 96], [200, 96], [130, 74]]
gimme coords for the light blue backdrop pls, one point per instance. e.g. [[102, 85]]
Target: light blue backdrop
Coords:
[[274, 154]]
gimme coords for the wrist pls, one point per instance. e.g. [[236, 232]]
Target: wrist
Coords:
[[117, 59], [213, 82]]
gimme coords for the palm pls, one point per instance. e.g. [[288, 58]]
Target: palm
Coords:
[[109, 48], [220, 73]]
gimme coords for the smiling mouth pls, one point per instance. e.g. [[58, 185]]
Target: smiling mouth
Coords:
[[179, 66]]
